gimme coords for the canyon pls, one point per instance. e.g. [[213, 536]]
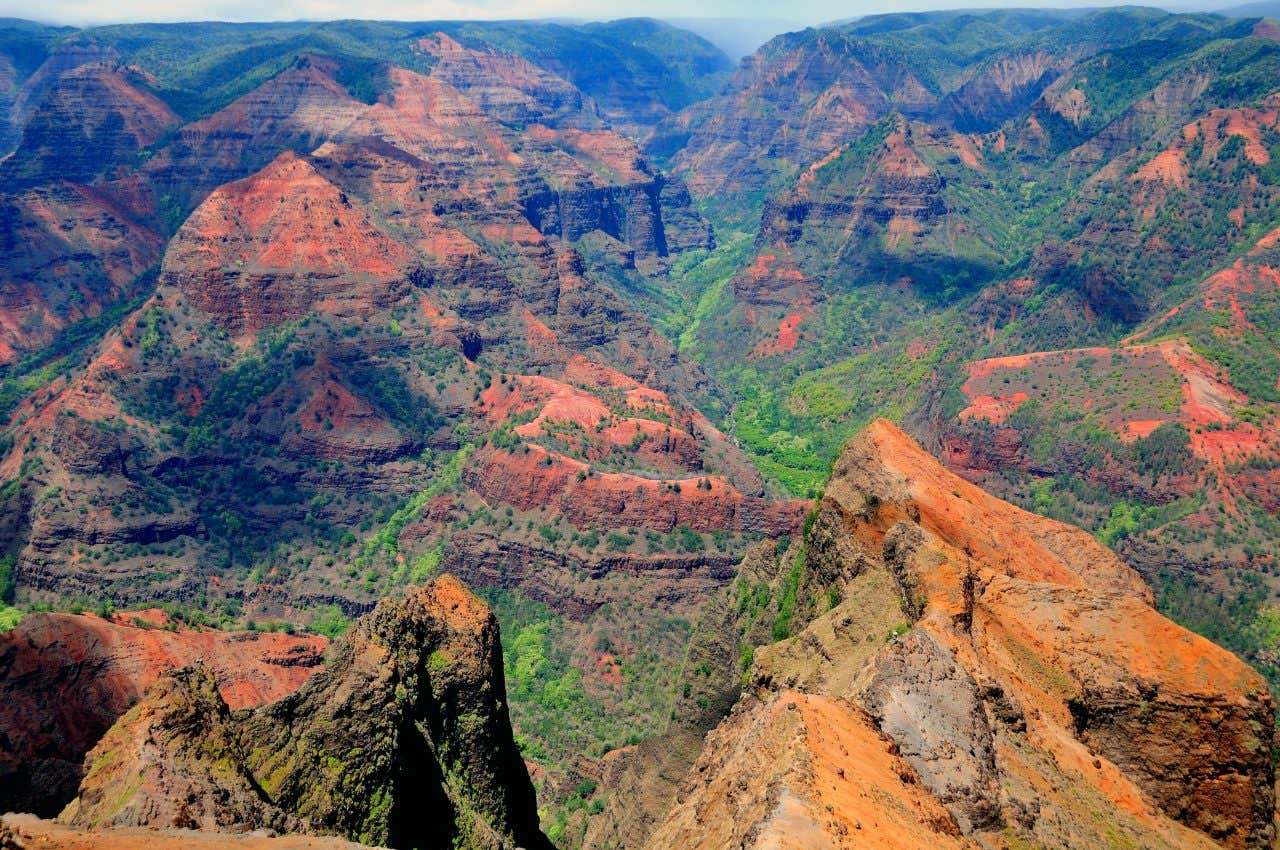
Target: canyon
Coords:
[[298, 319]]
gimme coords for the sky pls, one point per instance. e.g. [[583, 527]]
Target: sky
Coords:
[[82, 12]]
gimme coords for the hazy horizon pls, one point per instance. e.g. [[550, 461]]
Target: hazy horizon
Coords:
[[802, 13]]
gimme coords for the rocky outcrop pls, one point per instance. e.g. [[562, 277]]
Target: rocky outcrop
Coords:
[[638, 216], [402, 740], [64, 679], [251, 261], [573, 583], [1027, 686], [20, 832], [805, 771]]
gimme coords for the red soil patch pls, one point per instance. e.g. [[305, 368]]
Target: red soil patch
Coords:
[[918, 348], [334, 406], [1219, 125], [993, 409], [1168, 167], [785, 340], [1140, 428], [763, 268], [590, 373], [899, 158], [599, 428], [555, 399], [191, 398], [1223, 291], [810, 175], [608, 669], [963, 146], [312, 228]]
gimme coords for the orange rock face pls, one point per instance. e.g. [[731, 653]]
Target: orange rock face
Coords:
[[1029, 687], [820, 775], [66, 678]]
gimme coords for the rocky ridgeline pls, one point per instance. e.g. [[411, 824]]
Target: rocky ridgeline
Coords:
[[952, 671], [959, 673]]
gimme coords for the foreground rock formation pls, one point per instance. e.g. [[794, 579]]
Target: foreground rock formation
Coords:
[[64, 679], [403, 740], [19, 832], [963, 673]]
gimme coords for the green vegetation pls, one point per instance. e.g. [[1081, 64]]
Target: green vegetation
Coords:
[[9, 615], [560, 708], [386, 388], [7, 587], [1127, 519], [1233, 611], [787, 603], [329, 621]]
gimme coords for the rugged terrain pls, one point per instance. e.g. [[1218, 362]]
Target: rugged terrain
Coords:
[[402, 740], [959, 672], [395, 328], [1039, 241], [296, 315], [25, 831]]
